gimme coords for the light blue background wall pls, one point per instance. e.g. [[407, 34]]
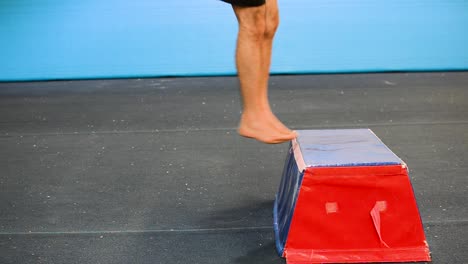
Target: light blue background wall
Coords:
[[55, 39]]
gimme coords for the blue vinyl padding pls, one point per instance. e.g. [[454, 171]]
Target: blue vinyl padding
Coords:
[[56, 39], [344, 147], [285, 201]]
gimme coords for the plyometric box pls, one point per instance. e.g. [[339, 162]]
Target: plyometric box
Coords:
[[345, 197]]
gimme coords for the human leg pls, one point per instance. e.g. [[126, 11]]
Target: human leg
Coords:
[[271, 25], [257, 120]]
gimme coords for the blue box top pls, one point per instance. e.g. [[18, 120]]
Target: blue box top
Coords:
[[343, 147]]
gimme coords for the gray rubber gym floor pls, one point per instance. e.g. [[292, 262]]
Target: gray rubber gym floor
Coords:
[[152, 170]]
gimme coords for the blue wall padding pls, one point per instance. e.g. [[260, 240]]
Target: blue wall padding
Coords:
[[55, 39]]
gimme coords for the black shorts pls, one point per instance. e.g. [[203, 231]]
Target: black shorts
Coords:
[[245, 2]]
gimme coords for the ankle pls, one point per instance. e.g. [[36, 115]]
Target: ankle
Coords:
[[256, 109]]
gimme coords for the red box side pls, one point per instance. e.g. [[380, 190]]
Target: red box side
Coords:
[[332, 221]]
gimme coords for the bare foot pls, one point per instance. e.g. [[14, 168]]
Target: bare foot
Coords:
[[262, 127], [277, 123]]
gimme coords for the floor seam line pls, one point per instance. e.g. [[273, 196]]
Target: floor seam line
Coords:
[[195, 230], [155, 131], [141, 231]]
